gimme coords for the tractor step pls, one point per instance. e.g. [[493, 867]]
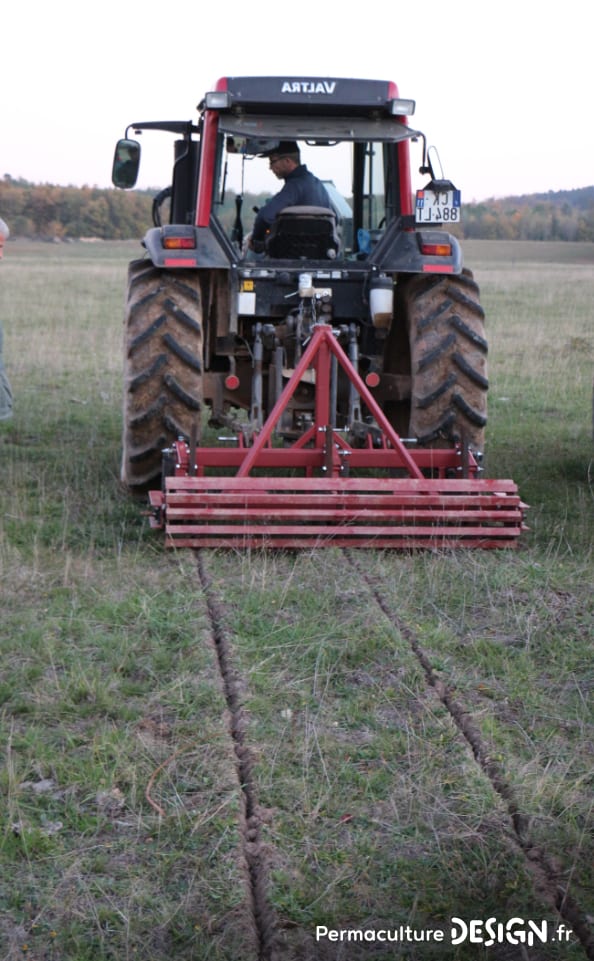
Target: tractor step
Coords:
[[288, 513]]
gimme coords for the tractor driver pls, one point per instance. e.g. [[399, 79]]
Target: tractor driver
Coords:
[[301, 188]]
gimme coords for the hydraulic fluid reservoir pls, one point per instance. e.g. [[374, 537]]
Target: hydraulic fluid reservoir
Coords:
[[306, 288], [381, 301]]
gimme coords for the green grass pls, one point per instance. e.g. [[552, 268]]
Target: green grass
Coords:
[[374, 811], [380, 811]]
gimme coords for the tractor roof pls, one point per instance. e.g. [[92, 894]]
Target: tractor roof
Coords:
[[319, 95], [316, 109]]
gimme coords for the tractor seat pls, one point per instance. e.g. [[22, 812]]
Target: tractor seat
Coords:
[[304, 233]]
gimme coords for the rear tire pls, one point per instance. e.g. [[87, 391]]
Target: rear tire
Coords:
[[448, 353], [162, 369]]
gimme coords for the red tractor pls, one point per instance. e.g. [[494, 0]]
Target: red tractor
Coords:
[[371, 284]]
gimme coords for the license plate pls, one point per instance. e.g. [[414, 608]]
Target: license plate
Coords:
[[438, 206]]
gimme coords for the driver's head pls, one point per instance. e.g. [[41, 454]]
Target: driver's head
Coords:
[[283, 158]]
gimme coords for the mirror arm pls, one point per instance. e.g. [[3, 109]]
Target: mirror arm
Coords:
[[426, 167]]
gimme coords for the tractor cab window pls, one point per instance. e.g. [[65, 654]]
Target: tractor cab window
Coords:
[[375, 191], [245, 181], [358, 156], [361, 178], [372, 191]]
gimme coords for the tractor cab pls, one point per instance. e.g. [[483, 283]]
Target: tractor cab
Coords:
[[351, 135]]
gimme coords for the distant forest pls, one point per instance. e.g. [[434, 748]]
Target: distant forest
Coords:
[[48, 212]]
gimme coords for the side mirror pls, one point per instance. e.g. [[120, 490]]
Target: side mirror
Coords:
[[126, 162]]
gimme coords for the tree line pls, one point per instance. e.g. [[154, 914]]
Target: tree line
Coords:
[[556, 215], [49, 212]]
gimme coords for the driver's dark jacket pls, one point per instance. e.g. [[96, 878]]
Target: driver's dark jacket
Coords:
[[301, 189]]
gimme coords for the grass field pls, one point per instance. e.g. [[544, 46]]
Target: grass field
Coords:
[[121, 829]]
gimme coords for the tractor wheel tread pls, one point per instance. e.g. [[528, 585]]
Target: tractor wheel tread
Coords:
[[422, 285], [138, 456], [470, 370], [188, 357], [465, 301], [175, 429], [429, 399], [147, 415], [473, 415], [440, 430], [141, 305], [147, 333], [429, 319], [469, 332], [163, 375], [183, 316], [148, 374], [436, 353], [448, 360], [176, 388], [466, 281]]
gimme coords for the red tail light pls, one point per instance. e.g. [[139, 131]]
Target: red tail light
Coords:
[[179, 243], [436, 250]]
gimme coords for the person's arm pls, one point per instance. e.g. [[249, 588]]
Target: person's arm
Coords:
[[287, 197]]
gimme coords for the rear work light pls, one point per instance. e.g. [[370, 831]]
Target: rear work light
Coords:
[[218, 100], [401, 108], [443, 249], [179, 243]]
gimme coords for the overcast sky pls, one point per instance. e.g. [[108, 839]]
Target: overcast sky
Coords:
[[502, 90]]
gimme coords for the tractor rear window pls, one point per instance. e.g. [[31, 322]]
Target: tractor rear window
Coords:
[[361, 179]]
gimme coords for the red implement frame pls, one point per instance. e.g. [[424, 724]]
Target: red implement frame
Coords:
[[325, 505]]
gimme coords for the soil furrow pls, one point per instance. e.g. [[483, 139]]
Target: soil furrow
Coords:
[[265, 925], [542, 867]]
